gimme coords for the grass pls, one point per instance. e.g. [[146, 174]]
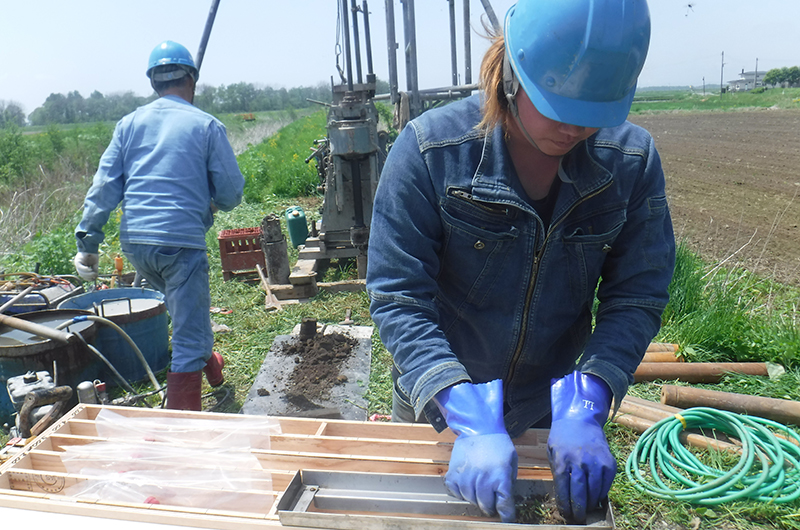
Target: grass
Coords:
[[693, 101], [715, 313], [278, 167], [730, 315]]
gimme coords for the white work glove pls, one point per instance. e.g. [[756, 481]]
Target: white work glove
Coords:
[[86, 265]]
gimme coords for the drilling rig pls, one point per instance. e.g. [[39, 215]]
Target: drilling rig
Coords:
[[350, 158]]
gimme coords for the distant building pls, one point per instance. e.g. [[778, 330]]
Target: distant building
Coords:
[[747, 81]]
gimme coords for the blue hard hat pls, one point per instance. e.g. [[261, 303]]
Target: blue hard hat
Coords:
[[171, 53], [578, 60]]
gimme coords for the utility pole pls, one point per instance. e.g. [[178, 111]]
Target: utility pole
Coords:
[[721, 69], [755, 82], [704, 85]]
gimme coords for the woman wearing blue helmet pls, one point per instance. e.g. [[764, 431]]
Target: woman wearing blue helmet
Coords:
[[497, 221]]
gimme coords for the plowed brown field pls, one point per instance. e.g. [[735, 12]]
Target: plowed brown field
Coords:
[[733, 184]]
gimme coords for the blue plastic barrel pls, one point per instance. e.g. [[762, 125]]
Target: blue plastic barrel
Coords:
[[296, 225], [142, 314]]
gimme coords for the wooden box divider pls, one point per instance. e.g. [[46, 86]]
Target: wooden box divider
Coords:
[[36, 477]]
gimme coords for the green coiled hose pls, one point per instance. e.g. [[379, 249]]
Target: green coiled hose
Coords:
[[768, 468]]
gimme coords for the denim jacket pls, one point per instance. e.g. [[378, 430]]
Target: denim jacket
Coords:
[[467, 284]]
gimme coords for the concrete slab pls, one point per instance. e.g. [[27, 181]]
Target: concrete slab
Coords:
[[268, 395]]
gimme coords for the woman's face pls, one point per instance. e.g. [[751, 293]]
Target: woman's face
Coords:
[[553, 138]]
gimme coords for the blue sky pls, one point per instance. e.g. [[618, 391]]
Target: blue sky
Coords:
[[51, 46]]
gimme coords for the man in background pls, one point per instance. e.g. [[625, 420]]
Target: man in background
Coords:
[[171, 166]]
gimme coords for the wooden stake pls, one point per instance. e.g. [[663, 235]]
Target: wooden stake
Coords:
[[695, 372]]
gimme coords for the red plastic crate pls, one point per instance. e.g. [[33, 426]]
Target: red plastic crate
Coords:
[[240, 250]]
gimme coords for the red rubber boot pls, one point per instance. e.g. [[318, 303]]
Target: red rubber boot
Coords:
[[213, 369], [183, 390]]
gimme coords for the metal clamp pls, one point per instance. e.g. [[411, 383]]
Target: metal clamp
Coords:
[[102, 312]]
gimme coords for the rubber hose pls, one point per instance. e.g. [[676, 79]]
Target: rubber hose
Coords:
[[132, 344], [128, 339], [122, 380], [768, 468]]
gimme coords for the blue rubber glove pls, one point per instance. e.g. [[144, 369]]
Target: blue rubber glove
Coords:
[[582, 465], [483, 464]]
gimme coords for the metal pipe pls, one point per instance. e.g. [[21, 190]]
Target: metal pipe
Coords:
[[661, 357], [662, 352], [201, 51], [367, 36], [655, 411], [644, 410], [782, 410], [467, 45], [391, 46], [358, 206], [356, 40], [438, 93], [663, 347], [487, 6], [453, 58], [695, 372], [651, 404], [36, 329], [19, 296], [412, 80], [348, 57]]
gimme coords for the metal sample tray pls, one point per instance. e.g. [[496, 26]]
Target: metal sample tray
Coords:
[[386, 501]]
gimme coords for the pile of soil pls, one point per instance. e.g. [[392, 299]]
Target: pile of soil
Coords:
[[318, 363]]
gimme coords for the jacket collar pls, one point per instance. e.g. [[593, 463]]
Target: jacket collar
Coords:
[[495, 179]]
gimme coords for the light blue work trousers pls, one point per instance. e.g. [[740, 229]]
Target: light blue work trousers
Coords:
[[182, 275]]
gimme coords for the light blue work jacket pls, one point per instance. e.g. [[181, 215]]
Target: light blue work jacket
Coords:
[[467, 284], [167, 162]]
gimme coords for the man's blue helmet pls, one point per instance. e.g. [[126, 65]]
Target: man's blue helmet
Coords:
[[171, 53], [578, 60]]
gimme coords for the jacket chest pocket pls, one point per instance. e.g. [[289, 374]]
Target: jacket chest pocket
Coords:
[[479, 239], [587, 242]]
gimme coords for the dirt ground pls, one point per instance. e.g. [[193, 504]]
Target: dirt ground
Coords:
[[733, 185]]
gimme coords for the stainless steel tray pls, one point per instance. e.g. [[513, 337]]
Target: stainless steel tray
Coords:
[[381, 501]]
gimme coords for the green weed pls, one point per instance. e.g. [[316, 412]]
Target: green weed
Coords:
[[277, 166], [49, 253], [730, 314]]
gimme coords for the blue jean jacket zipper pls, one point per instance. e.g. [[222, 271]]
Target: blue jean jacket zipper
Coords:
[[531, 287]]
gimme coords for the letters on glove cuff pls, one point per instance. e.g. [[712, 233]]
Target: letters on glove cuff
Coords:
[[582, 464]]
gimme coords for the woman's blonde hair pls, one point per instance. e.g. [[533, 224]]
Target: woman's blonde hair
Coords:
[[494, 103]]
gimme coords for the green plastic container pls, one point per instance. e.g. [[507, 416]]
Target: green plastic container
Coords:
[[297, 225]]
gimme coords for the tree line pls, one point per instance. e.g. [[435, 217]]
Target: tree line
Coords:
[[789, 76], [11, 114], [235, 98]]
